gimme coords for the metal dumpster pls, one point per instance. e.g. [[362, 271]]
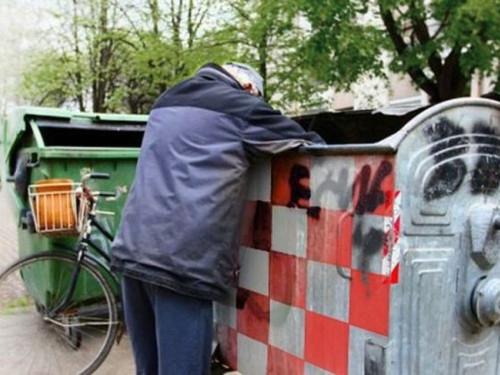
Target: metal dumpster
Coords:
[[374, 258], [41, 143]]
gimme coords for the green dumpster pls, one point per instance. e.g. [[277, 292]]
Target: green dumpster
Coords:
[[41, 144]]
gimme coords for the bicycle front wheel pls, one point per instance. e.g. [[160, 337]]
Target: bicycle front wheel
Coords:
[[34, 339]]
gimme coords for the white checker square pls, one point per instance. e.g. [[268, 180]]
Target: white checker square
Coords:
[[289, 233], [328, 288], [331, 182], [259, 182], [252, 356], [286, 330], [254, 274], [225, 310], [313, 370]]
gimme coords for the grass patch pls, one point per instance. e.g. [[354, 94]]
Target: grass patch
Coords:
[[18, 305]]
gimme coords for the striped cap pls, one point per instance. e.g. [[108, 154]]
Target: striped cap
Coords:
[[251, 73]]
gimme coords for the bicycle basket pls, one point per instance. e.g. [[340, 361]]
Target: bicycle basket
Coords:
[[54, 206]]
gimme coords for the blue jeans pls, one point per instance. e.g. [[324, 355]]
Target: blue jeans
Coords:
[[170, 333]]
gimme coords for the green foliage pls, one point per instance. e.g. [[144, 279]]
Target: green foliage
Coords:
[[476, 28], [48, 82], [120, 55], [270, 36], [342, 48], [439, 43]]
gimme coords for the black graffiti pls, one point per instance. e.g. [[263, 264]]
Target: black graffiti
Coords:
[[449, 143], [445, 180], [298, 191], [314, 212], [371, 244], [244, 300], [371, 195], [338, 186], [242, 296], [486, 174]]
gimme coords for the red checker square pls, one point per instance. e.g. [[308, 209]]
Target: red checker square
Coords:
[[281, 363], [227, 339], [288, 279], [370, 301], [290, 180], [257, 225], [327, 343], [373, 190], [329, 238], [252, 315]]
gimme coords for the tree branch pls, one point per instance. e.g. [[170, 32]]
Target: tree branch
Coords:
[[423, 36], [442, 24], [241, 12], [401, 47]]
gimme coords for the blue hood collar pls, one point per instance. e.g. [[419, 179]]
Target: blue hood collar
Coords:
[[214, 71]]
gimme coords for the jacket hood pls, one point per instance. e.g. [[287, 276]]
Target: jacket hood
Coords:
[[216, 72]]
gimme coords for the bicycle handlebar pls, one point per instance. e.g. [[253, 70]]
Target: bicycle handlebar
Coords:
[[95, 176], [109, 195], [105, 193]]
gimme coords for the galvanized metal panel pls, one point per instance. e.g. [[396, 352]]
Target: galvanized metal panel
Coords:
[[426, 303]]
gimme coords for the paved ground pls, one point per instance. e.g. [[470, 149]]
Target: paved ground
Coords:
[[8, 239]]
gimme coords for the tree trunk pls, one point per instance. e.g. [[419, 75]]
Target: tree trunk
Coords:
[[103, 47], [78, 56]]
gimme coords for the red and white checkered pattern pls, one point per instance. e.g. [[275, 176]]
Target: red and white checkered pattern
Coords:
[[392, 247], [312, 286]]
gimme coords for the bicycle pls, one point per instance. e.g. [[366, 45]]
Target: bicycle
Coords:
[[59, 309]]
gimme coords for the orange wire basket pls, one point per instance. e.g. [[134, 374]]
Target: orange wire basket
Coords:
[[55, 207]]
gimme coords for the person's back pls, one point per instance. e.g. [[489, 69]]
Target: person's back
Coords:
[[178, 227], [180, 224]]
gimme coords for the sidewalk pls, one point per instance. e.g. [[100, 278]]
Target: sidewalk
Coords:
[[8, 232]]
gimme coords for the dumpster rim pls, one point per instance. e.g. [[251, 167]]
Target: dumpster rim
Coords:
[[397, 138], [390, 144]]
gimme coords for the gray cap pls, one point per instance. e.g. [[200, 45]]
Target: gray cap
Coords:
[[251, 73]]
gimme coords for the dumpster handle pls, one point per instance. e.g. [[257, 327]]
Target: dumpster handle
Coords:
[[496, 223], [342, 273], [33, 161]]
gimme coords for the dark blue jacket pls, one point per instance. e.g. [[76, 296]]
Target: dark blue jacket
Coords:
[[180, 224]]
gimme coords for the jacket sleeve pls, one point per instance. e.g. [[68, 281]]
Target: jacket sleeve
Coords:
[[270, 132]]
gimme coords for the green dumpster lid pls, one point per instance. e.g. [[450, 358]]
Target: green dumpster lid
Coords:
[[51, 118]]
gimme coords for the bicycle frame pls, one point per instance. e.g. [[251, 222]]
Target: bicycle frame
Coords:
[[84, 242]]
